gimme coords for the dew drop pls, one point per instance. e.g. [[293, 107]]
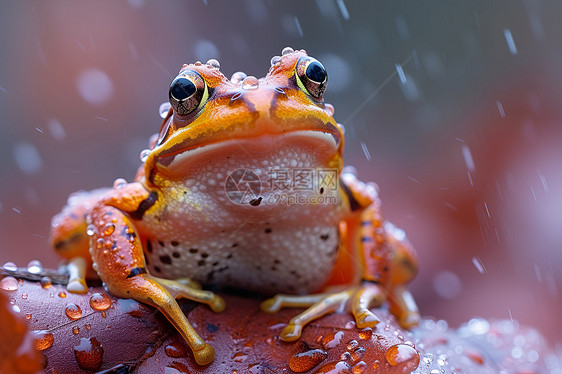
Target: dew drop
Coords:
[[359, 367], [90, 230], [62, 294], [46, 282], [76, 330], [108, 229], [334, 368], [88, 326], [175, 350], [238, 77], [305, 361], [28, 316], [10, 266], [119, 183], [42, 339], [332, 340], [214, 63], [275, 60], [144, 154], [89, 354], [287, 50], [376, 364], [352, 345], [358, 354], [99, 301], [24, 295], [366, 333], [9, 283], [163, 109], [240, 357], [34, 267], [400, 354], [73, 311], [250, 83], [176, 367]]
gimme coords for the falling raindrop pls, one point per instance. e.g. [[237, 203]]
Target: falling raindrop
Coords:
[[510, 42], [94, 86], [27, 158], [56, 129]]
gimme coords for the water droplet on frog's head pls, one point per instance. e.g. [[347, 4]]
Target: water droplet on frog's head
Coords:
[[275, 60], [402, 354], [163, 109], [250, 83], [73, 311], [119, 183], [287, 50], [9, 283], [10, 266], [34, 267], [214, 63], [90, 230], [89, 354], [144, 154], [238, 77]]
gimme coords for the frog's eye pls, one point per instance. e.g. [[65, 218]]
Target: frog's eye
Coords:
[[188, 91], [312, 77]]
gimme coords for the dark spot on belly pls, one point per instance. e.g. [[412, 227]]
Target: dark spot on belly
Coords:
[[175, 243], [166, 259], [234, 245], [229, 256], [222, 269], [215, 263], [161, 243], [276, 261], [175, 254], [200, 262], [204, 255], [148, 246], [325, 236], [273, 268], [193, 250], [268, 230], [157, 269], [210, 276]]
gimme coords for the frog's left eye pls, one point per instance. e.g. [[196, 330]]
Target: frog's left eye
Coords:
[[188, 92], [311, 76]]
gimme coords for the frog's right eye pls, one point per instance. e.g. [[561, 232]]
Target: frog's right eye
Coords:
[[188, 92]]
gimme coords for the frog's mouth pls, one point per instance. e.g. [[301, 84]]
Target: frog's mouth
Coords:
[[299, 148]]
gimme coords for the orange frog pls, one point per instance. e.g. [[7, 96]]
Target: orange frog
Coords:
[[244, 187]]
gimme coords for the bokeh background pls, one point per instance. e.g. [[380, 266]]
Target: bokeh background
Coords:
[[452, 107]]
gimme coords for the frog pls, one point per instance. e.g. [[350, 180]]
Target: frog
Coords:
[[243, 187]]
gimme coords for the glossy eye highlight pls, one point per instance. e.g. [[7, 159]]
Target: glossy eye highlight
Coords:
[[188, 92], [311, 76]]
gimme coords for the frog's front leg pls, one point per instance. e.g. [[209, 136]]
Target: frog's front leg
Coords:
[[119, 260], [386, 262]]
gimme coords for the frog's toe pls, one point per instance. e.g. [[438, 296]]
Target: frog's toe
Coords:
[[291, 332], [271, 305], [366, 319], [205, 355], [190, 283], [217, 304], [78, 286], [409, 321]]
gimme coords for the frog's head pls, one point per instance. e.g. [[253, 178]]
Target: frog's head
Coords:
[[280, 120]]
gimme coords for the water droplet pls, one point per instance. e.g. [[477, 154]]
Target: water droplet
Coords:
[[332, 340], [250, 83], [214, 63], [334, 368], [46, 282], [42, 339], [119, 183], [358, 354], [99, 301], [352, 345], [27, 158], [28, 316], [176, 368], [403, 354], [34, 267], [144, 154], [10, 266], [359, 367], [109, 229], [89, 354], [24, 295], [175, 350], [9, 283], [94, 86], [376, 364], [90, 230], [163, 109], [238, 77], [73, 311], [305, 361], [275, 60], [366, 333], [76, 330], [62, 294], [240, 357], [286, 51], [99, 243], [88, 326]]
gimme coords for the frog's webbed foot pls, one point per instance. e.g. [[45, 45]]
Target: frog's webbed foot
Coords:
[[188, 289], [357, 299]]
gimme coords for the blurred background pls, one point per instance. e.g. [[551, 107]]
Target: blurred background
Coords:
[[452, 107]]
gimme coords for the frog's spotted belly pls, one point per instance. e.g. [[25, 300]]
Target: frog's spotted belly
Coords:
[[263, 260]]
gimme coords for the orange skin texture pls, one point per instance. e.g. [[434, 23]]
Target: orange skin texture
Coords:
[[112, 229]]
